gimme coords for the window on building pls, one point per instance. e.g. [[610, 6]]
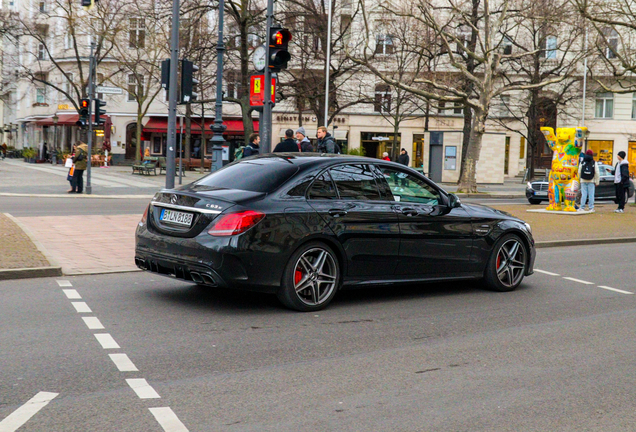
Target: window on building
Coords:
[[42, 7], [382, 102], [507, 46], [549, 47], [345, 28], [611, 46], [604, 105], [522, 148], [233, 84], [634, 105], [100, 81], [503, 106], [41, 52], [312, 32], [68, 40], [137, 32], [135, 87], [68, 85], [464, 33], [40, 95], [384, 44], [458, 108], [441, 107]]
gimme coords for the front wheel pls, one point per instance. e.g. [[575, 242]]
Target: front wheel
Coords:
[[311, 278], [534, 201], [507, 264]]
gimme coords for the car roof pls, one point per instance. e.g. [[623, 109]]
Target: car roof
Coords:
[[311, 160]]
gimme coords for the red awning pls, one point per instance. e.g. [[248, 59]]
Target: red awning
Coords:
[[63, 120], [160, 125]]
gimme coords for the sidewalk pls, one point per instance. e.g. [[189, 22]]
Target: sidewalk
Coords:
[[510, 189]]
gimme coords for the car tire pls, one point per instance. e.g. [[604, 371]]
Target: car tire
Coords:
[[534, 201], [311, 278], [507, 264]]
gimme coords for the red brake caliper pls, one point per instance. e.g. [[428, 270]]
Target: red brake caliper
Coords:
[[498, 261], [298, 276]]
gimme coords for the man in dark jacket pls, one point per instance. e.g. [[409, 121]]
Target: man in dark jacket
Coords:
[[289, 145], [621, 181], [253, 147], [403, 158], [326, 143], [303, 141]]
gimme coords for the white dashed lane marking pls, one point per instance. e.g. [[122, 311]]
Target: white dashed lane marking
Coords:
[[579, 281], [123, 363], [142, 388], [64, 283], [20, 416], [81, 307], [168, 419], [584, 282], [72, 294], [93, 323], [106, 340], [547, 272]]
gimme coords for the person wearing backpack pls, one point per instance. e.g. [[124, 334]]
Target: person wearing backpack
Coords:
[[326, 143], [252, 148], [590, 178]]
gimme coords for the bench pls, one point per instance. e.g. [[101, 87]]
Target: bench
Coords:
[[146, 166], [196, 163]]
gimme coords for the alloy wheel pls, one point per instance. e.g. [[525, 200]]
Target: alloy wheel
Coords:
[[511, 263], [315, 276]]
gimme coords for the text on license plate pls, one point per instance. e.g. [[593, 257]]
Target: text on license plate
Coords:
[[176, 217], [541, 193]]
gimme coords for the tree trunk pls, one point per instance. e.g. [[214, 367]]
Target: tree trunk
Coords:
[[468, 179], [140, 118], [468, 119], [395, 152], [248, 124]]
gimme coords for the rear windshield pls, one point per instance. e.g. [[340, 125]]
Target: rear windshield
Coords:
[[258, 175]]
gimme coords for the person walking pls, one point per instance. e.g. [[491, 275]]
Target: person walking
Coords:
[[621, 181], [326, 143], [303, 142], [287, 146], [403, 158], [590, 178], [253, 148], [385, 156], [80, 161]]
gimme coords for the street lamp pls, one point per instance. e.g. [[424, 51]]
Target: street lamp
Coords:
[[54, 153], [218, 127]]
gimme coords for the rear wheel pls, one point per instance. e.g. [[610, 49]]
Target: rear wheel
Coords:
[[534, 201], [507, 264], [311, 278]]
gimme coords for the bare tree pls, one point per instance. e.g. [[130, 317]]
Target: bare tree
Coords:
[[451, 22]]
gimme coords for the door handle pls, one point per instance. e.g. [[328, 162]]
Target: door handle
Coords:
[[337, 212], [409, 211]]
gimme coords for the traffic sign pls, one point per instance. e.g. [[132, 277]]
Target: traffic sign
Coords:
[[257, 90], [108, 90]]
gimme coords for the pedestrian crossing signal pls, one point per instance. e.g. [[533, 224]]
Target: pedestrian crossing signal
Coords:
[[278, 53]]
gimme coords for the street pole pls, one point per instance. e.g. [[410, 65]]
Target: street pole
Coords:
[[181, 152], [328, 64], [172, 97], [91, 96], [266, 126], [584, 79], [218, 127]]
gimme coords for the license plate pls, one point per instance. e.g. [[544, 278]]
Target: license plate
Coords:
[[176, 217], [541, 193]]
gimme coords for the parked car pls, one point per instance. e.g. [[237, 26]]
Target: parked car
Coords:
[[302, 226], [537, 191]]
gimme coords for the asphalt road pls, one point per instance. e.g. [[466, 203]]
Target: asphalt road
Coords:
[[555, 355]]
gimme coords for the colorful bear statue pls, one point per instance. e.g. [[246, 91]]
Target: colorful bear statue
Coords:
[[564, 175]]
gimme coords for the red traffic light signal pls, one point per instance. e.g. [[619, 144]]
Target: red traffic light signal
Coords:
[[281, 38], [84, 103], [277, 52]]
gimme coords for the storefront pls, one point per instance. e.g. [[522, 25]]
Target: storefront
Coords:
[[603, 150], [376, 143]]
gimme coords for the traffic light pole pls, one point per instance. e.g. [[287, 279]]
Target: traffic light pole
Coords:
[[266, 124], [91, 96], [218, 127], [172, 97]]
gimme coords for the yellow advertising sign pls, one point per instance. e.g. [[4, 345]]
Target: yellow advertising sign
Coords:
[[63, 106]]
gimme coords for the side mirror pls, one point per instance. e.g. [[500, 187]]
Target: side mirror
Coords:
[[454, 201]]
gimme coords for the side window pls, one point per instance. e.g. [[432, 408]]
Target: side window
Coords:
[[322, 188], [408, 188], [355, 182]]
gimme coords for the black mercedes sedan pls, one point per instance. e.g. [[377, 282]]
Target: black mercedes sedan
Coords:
[[303, 226]]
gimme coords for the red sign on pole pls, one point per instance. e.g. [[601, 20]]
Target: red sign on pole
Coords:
[[257, 90]]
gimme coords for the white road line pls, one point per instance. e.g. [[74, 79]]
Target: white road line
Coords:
[[64, 283], [20, 416], [72, 294], [168, 420], [579, 281], [93, 323], [123, 363], [547, 272], [81, 307], [614, 289], [142, 388], [106, 340]]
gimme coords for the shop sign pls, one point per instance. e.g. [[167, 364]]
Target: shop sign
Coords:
[[62, 106], [257, 90]]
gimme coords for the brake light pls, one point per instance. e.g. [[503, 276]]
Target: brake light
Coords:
[[235, 223], [142, 222]]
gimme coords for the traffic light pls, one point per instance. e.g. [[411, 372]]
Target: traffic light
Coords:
[[188, 82], [165, 74], [99, 112], [278, 51], [84, 114]]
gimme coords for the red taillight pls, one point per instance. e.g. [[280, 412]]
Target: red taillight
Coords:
[[235, 223], [144, 217]]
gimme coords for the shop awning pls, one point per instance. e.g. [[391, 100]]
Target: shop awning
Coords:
[[160, 125]]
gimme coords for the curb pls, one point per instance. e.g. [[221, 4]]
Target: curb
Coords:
[[52, 261], [77, 196], [28, 273], [586, 242]]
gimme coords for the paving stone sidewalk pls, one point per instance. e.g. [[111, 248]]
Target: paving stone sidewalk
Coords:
[[17, 249]]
